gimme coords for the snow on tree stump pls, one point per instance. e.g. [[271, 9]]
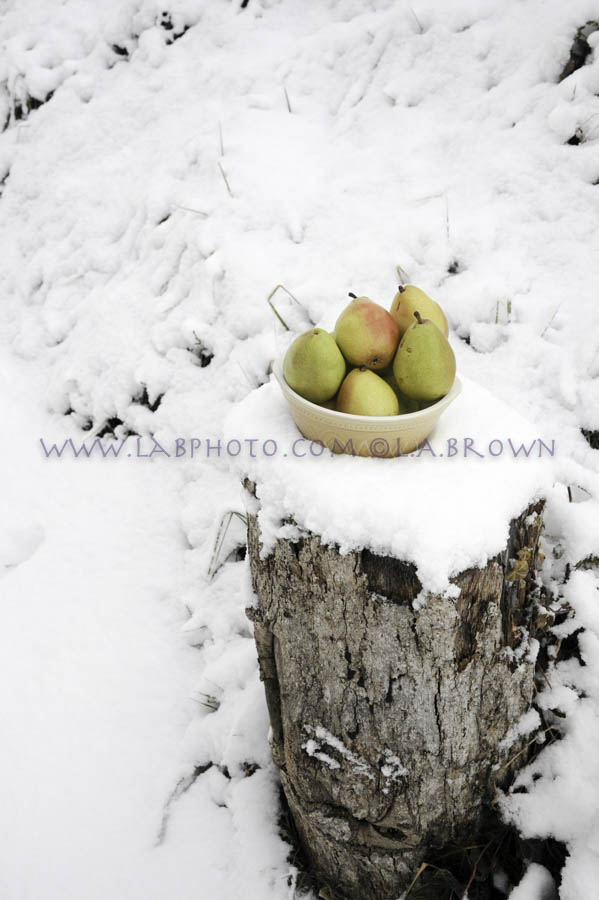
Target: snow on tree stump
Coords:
[[390, 725]]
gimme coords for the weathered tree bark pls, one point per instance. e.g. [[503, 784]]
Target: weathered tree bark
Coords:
[[388, 722]]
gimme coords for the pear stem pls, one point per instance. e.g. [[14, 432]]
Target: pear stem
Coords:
[[401, 288], [353, 296], [418, 318]]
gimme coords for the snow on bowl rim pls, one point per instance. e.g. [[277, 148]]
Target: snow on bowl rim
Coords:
[[407, 430]]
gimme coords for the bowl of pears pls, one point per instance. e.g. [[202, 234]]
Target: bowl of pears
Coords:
[[377, 384]]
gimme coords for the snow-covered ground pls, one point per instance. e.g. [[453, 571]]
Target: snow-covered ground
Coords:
[[190, 157]]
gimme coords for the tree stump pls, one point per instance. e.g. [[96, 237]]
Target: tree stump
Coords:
[[390, 725]]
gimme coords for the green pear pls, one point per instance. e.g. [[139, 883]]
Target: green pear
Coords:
[[407, 300], [406, 404], [314, 366], [366, 334], [363, 393], [424, 365]]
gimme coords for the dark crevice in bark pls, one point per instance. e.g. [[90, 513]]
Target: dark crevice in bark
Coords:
[[519, 565], [350, 672], [471, 611], [391, 578]]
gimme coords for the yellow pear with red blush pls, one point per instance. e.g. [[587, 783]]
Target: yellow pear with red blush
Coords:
[[366, 334]]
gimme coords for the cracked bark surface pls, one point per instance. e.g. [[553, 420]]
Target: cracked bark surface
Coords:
[[387, 722]]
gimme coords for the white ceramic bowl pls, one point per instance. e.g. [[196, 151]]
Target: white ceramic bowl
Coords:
[[363, 435]]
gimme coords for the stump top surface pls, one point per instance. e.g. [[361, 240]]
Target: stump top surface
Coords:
[[444, 508]]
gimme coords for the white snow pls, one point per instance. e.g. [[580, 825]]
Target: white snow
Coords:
[[312, 748], [537, 884], [529, 723], [149, 209], [324, 738], [563, 802], [393, 768]]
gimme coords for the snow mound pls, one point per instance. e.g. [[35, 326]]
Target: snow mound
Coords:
[[446, 507]]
